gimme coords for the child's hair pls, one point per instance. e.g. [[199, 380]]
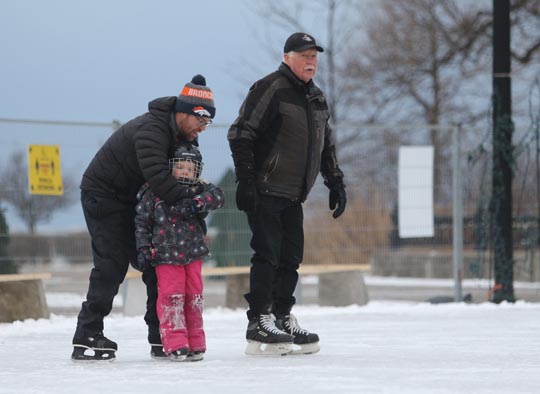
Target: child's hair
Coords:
[[188, 154]]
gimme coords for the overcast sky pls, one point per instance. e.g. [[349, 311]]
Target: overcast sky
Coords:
[[104, 60]]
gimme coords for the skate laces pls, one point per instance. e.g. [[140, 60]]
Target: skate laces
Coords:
[[294, 326], [268, 323]]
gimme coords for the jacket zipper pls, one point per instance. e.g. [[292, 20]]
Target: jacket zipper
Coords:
[[309, 146], [272, 165]]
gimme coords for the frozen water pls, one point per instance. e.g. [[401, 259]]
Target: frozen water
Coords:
[[383, 347]]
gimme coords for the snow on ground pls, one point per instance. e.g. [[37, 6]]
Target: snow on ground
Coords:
[[383, 347]]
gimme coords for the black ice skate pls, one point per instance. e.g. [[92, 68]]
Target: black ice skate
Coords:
[[264, 338], [179, 354], [93, 348], [195, 356], [305, 342], [157, 352]]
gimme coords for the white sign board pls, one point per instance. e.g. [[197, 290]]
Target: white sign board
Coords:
[[415, 191]]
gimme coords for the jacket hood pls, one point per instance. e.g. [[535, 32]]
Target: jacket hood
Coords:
[[162, 106]]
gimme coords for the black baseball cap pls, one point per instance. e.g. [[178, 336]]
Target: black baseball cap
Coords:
[[299, 42]]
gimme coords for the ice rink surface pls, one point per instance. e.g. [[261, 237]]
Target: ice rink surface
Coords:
[[383, 347]]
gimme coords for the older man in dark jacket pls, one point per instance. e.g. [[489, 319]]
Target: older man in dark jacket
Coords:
[[136, 153], [280, 142]]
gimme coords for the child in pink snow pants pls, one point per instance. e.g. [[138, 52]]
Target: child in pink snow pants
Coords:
[[180, 307], [171, 238]]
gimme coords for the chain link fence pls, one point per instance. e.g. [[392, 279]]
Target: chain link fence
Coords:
[[366, 234]]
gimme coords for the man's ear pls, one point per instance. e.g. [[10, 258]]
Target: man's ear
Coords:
[[180, 116]]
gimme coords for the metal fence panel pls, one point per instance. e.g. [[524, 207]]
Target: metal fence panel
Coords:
[[366, 233]]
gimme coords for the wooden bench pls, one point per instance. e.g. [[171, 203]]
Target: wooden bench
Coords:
[[338, 285], [22, 296]]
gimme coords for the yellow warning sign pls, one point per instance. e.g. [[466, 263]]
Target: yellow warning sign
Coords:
[[44, 172]]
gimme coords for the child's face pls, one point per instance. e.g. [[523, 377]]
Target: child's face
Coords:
[[183, 169]]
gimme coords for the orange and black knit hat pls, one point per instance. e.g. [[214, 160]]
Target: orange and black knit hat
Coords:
[[196, 98]]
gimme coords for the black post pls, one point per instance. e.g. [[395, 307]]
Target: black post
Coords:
[[503, 127]]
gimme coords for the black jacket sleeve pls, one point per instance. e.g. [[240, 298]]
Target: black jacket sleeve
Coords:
[[253, 119], [330, 170]]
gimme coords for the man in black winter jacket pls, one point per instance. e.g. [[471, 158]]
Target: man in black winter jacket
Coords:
[[136, 153], [280, 142]]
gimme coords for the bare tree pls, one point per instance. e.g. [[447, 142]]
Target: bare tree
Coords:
[[408, 63], [410, 70], [429, 62], [418, 61], [32, 209]]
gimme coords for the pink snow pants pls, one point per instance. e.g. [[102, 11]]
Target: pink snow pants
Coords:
[[180, 306]]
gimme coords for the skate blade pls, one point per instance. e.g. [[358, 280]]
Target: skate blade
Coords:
[[179, 358], [255, 348], [159, 358], [308, 348], [194, 357], [81, 353], [187, 358]]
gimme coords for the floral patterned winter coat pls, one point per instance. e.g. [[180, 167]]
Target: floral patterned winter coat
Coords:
[[168, 234]]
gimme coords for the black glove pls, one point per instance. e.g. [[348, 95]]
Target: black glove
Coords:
[[337, 198], [145, 257], [246, 195]]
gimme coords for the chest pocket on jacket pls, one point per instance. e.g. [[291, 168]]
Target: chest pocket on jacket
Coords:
[[293, 124]]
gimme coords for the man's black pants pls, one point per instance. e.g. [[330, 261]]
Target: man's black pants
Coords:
[[111, 226], [278, 245]]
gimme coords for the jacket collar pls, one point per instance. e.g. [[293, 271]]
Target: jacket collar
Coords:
[[286, 70], [312, 91]]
